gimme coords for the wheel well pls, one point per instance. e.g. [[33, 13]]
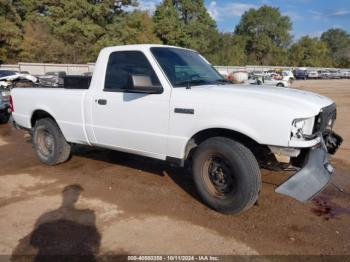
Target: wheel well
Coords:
[[261, 152], [39, 114]]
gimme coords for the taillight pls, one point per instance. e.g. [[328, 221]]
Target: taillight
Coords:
[[12, 109]]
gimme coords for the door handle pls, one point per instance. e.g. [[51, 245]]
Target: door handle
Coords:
[[102, 102]]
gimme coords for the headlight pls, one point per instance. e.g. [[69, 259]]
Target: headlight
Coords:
[[303, 126]]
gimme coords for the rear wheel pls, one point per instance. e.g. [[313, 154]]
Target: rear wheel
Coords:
[[280, 85], [49, 143], [226, 175]]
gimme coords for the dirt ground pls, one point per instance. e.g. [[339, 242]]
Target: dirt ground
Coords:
[[134, 205]]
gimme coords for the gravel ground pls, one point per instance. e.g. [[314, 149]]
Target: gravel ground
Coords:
[[117, 203]]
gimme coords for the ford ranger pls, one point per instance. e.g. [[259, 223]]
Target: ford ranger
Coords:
[[170, 103]]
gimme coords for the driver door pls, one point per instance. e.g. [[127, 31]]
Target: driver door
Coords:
[[131, 122]]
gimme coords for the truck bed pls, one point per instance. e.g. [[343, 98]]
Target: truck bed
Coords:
[[69, 82], [76, 82], [65, 104]]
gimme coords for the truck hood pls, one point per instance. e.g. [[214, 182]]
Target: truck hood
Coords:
[[299, 103]]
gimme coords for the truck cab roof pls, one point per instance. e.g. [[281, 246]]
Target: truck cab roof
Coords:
[[140, 47]]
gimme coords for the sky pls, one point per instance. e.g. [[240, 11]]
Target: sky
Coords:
[[309, 17]]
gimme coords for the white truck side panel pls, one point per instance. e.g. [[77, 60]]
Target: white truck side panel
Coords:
[[64, 105]]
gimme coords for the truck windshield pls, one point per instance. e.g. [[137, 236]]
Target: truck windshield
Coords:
[[186, 67]]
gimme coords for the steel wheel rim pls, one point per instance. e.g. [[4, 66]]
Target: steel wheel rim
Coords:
[[219, 176], [45, 142]]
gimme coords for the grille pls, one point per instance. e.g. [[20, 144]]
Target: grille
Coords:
[[322, 121]]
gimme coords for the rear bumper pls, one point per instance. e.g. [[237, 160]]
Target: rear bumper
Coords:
[[315, 173]]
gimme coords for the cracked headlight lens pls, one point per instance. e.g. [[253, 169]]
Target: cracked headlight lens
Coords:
[[302, 127], [299, 124]]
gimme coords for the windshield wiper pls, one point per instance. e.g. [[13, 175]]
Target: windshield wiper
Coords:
[[223, 81], [190, 83], [194, 82]]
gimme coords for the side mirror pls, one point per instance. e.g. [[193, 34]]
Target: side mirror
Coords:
[[143, 84]]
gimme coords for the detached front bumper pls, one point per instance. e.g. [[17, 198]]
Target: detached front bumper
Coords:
[[316, 172]]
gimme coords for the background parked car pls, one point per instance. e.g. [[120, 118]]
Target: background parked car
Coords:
[[345, 74], [324, 74], [4, 74], [4, 105], [52, 79], [288, 76], [301, 74], [269, 81], [10, 79], [238, 77], [312, 74], [334, 74]]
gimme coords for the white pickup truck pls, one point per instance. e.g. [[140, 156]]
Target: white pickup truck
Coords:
[[169, 103]]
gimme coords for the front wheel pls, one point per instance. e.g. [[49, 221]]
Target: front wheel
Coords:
[[49, 143], [226, 174], [280, 85]]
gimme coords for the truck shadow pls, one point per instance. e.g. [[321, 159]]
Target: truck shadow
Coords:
[[64, 234], [180, 176]]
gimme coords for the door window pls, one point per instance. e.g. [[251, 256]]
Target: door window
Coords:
[[123, 64]]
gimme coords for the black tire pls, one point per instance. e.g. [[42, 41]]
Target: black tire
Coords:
[[239, 178], [259, 82], [49, 143], [4, 118], [280, 85]]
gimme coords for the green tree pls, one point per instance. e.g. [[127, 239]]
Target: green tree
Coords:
[[10, 32], [185, 23], [139, 29], [40, 45], [229, 51], [77, 24], [129, 28], [310, 52], [338, 42], [267, 32], [68, 31]]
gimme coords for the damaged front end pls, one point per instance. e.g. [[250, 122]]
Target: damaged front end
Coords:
[[314, 175], [316, 169]]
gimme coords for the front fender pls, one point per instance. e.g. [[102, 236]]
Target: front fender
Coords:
[[178, 145]]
